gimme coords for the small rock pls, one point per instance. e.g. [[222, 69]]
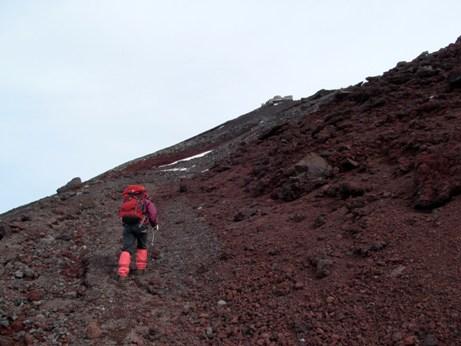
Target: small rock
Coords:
[[239, 217], [397, 337], [409, 340], [365, 251], [351, 189], [6, 340], [18, 274], [348, 164], [4, 323], [319, 221], [330, 299], [135, 339], [71, 294], [186, 308], [86, 203], [222, 302], [299, 285], [64, 236], [405, 165], [182, 187], [29, 273], [209, 332], [297, 218], [454, 82], [386, 194], [322, 266], [48, 240], [433, 179], [29, 339], [430, 340], [93, 331], [34, 295], [273, 252], [397, 271], [4, 230]]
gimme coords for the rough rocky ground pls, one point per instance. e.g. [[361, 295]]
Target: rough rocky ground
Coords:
[[332, 220]]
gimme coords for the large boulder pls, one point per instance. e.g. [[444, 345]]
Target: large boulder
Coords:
[[314, 165], [455, 82], [74, 184], [437, 178], [305, 176], [4, 230], [277, 99]]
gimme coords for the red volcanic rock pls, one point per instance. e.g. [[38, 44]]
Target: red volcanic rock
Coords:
[[314, 164], [93, 330], [35, 295], [437, 178], [4, 230]]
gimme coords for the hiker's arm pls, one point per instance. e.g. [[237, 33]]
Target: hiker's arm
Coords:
[[152, 213]]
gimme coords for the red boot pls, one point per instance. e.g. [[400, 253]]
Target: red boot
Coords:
[[124, 264], [141, 260]]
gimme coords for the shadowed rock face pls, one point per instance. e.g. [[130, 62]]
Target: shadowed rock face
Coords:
[[333, 219]]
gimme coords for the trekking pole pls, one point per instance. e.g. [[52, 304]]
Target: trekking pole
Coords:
[[156, 228], [153, 235]]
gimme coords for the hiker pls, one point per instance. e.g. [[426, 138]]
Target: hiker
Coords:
[[136, 212]]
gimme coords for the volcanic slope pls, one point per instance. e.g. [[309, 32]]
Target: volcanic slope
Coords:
[[332, 220]]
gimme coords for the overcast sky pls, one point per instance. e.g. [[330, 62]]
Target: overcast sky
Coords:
[[86, 85]]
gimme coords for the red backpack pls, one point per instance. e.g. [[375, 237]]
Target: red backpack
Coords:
[[132, 211]]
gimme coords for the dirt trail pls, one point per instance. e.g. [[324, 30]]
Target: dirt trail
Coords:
[[159, 307]]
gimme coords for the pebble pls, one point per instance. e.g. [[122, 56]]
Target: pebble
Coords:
[[330, 299], [29, 339], [299, 285], [409, 340], [71, 294], [397, 271], [209, 332], [430, 340], [34, 295], [29, 273], [4, 323], [222, 302], [18, 274], [48, 240], [93, 331]]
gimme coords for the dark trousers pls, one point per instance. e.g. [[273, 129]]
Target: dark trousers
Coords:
[[134, 236]]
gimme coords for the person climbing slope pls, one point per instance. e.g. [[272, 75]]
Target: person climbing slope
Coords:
[[136, 212]]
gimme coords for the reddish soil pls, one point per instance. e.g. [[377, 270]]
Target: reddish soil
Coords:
[[333, 220]]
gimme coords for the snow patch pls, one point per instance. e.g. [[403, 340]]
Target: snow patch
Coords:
[[180, 169], [187, 158]]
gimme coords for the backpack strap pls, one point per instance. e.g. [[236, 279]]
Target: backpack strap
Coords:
[[143, 209]]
